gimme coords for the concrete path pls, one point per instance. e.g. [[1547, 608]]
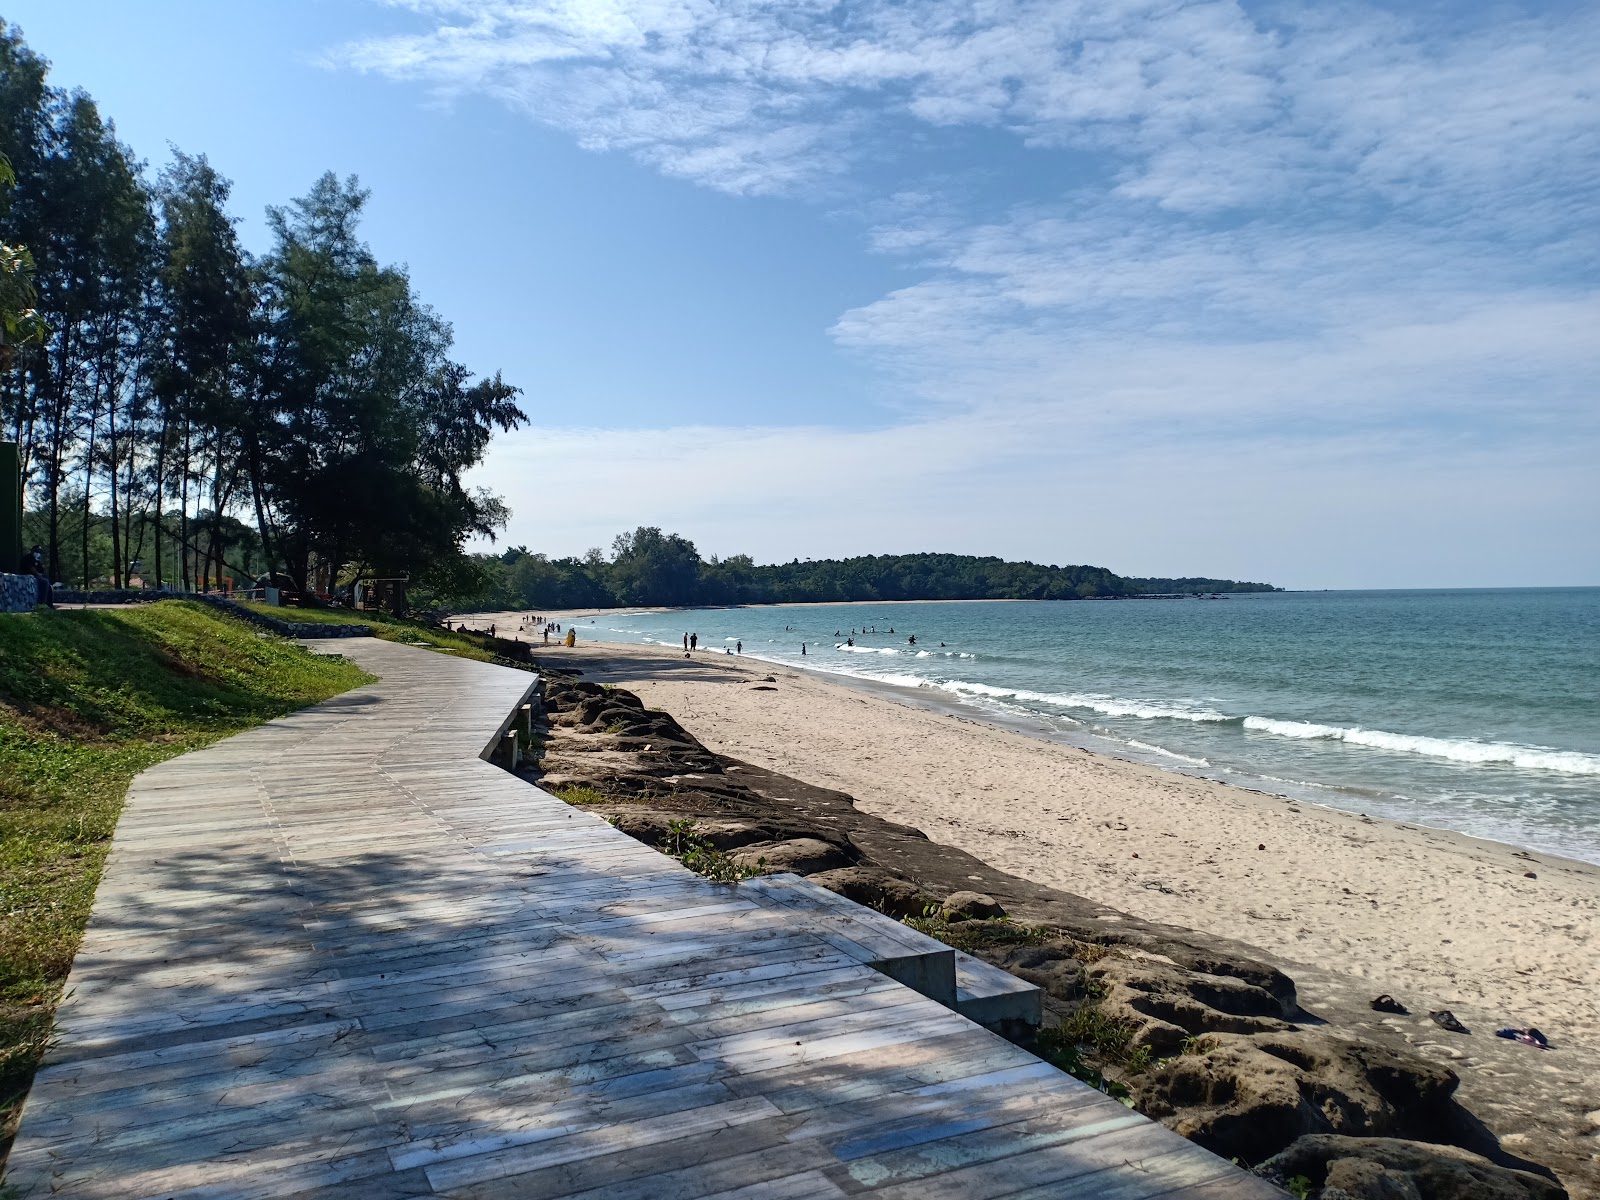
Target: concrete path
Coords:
[[342, 955]]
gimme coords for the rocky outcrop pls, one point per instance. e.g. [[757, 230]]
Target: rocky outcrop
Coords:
[[801, 856], [1246, 1096], [1332, 1167], [971, 906]]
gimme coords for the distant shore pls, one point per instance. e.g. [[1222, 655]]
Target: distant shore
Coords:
[[1509, 935]]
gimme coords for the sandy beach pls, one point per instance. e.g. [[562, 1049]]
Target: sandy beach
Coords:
[[1436, 918]]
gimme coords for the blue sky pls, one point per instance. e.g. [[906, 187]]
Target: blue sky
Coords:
[[1304, 292]]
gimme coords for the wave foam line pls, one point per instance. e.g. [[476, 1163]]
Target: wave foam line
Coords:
[[1539, 758], [1109, 706]]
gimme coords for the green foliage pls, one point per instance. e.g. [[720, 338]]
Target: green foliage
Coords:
[[161, 370], [87, 700], [1192, 586], [360, 393], [700, 856], [581, 795], [1299, 1186], [1086, 1041]]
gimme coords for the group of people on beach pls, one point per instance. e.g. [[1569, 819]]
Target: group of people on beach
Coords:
[[691, 643], [537, 624]]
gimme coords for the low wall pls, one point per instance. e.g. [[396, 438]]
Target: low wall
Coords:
[[294, 629], [108, 596], [18, 593]]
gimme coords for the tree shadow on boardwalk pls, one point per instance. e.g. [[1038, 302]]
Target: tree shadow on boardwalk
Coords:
[[378, 1025], [339, 955]]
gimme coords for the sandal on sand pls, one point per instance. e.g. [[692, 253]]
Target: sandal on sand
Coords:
[[1445, 1019], [1528, 1037], [1387, 1003]]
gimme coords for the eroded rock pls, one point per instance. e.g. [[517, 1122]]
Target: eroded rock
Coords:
[[801, 856], [1247, 1096], [971, 906], [877, 889], [1349, 1168]]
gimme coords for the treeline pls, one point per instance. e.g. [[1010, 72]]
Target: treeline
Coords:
[[648, 567], [179, 401], [1193, 586]]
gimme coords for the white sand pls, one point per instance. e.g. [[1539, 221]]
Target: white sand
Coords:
[[1433, 917]]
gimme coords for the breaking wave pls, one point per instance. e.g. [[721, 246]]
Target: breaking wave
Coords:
[[1539, 758], [1460, 750]]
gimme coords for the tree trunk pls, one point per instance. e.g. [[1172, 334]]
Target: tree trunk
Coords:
[[88, 484], [183, 512], [161, 482]]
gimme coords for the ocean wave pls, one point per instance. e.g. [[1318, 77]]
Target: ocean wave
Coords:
[[1110, 706], [1165, 753], [866, 649], [1539, 758]]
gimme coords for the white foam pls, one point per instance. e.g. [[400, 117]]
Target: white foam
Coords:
[[1539, 758], [1165, 753], [1110, 706], [866, 649]]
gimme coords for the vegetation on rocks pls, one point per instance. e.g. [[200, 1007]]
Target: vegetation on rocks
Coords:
[[87, 700]]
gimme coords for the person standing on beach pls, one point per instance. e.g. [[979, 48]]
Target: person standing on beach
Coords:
[[738, 647], [686, 641], [802, 649], [694, 641]]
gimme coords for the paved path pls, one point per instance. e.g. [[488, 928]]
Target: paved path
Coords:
[[341, 955]]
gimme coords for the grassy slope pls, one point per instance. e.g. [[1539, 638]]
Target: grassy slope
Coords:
[[391, 629], [87, 700]]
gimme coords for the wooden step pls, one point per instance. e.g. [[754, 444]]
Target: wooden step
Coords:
[[995, 998], [879, 941]]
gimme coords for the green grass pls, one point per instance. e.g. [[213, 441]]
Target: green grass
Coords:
[[390, 629], [88, 699], [580, 794]]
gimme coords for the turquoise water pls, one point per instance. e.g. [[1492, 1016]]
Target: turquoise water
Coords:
[[1470, 710]]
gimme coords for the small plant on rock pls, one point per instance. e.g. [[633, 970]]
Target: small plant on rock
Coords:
[[581, 794], [700, 856]]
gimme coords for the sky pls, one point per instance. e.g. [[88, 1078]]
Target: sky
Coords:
[[1298, 292]]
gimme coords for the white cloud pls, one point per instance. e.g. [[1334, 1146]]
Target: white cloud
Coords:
[[1324, 235]]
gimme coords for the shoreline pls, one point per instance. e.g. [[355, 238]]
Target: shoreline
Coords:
[[1407, 908], [1291, 791]]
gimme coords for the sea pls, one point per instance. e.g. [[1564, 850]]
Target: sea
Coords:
[[1471, 710]]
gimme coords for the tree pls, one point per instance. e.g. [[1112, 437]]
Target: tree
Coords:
[[205, 301], [367, 427], [649, 567]]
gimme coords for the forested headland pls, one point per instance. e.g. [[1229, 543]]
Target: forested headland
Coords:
[[205, 412], [648, 567]]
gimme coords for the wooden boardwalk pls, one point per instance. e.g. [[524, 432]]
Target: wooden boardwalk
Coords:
[[342, 955]]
